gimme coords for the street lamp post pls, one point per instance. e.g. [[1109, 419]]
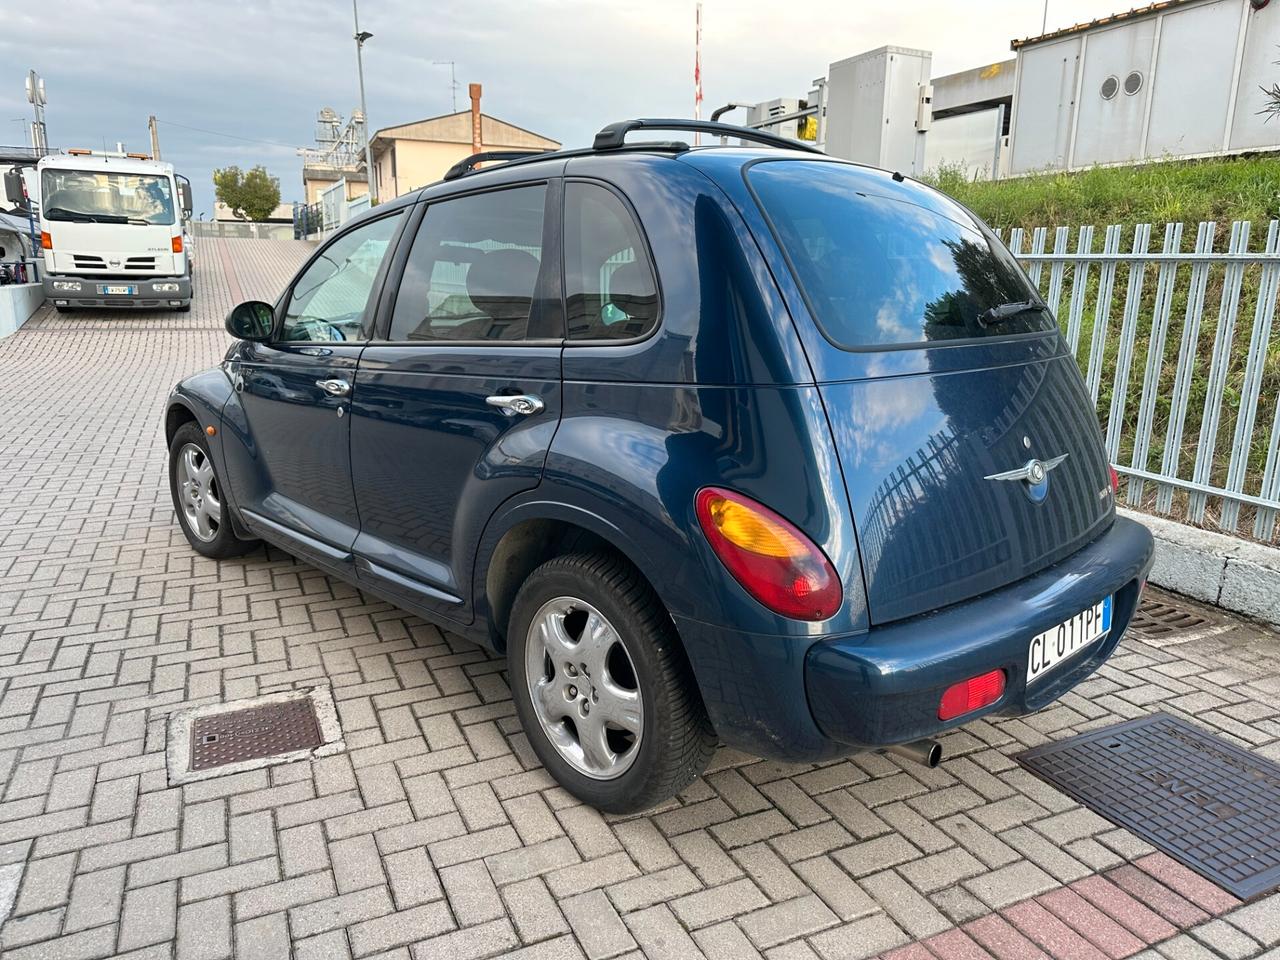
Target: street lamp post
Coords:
[[361, 37]]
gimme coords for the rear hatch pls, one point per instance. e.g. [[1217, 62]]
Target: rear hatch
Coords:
[[970, 451]]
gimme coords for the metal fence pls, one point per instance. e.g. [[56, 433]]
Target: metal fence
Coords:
[[241, 230], [1185, 370]]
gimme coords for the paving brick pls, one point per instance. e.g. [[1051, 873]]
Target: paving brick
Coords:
[[204, 930], [1142, 886], [1206, 895], [303, 849], [648, 889], [412, 877], [1010, 884], [533, 910], [859, 938], [150, 915], [911, 911], [1145, 923], [252, 837], [88, 944], [659, 934], [400, 929], [262, 938], [283, 895], [725, 941], [1057, 939], [340, 911], [955, 944], [1002, 939], [1091, 923], [95, 899], [485, 940], [217, 883], [356, 863], [719, 903], [45, 883], [597, 925], [471, 893], [783, 921], [1225, 940], [1260, 919]]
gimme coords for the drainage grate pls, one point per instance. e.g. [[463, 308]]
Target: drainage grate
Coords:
[[253, 733], [1156, 618], [1197, 797]]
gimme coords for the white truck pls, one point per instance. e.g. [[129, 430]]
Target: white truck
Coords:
[[112, 230]]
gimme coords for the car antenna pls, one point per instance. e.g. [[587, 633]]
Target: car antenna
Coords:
[[898, 176]]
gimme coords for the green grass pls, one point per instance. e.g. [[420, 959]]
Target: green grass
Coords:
[[1237, 188]]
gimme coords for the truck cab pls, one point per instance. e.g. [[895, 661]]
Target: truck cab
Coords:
[[112, 231]]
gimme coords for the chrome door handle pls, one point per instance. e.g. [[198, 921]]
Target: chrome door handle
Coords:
[[334, 388], [522, 403]]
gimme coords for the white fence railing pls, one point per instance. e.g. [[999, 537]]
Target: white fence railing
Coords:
[[1185, 369]]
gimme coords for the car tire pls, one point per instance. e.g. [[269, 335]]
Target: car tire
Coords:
[[208, 535], [640, 656]]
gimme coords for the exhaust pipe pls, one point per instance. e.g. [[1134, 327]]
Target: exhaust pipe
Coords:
[[925, 752]]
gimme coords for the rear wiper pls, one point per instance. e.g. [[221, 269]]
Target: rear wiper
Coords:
[[1004, 311]]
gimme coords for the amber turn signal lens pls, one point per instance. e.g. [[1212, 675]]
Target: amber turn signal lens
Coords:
[[46, 241], [211, 430], [177, 244], [775, 563]]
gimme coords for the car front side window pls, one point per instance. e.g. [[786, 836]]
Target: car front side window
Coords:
[[329, 299]]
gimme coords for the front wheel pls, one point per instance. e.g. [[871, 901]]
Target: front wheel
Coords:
[[198, 497], [602, 686]]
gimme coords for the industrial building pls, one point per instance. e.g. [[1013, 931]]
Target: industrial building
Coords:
[[1175, 79]]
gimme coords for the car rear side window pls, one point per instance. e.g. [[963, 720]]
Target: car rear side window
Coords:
[[610, 293], [883, 266], [473, 269]]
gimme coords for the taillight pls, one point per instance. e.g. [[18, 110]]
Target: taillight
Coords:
[[972, 694], [177, 244], [774, 562], [46, 241], [1115, 480]]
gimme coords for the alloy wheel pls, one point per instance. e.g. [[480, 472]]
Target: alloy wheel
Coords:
[[198, 493]]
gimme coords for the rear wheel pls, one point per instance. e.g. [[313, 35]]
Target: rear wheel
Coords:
[[602, 686], [198, 497]]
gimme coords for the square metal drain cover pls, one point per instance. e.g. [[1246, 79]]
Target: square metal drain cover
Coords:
[[1202, 800], [251, 733], [222, 738]]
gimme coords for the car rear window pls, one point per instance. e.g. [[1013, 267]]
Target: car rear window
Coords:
[[879, 266]]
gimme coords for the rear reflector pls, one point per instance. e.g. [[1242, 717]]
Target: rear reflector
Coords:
[[1115, 479], [972, 694]]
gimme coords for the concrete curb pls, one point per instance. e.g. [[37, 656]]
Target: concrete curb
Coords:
[[1231, 573]]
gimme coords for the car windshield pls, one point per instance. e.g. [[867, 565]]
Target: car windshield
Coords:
[[94, 196], [882, 265]]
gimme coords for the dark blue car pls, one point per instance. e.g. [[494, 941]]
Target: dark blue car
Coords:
[[736, 444]]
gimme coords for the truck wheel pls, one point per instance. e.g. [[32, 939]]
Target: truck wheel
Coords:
[[602, 686], [198, 497]]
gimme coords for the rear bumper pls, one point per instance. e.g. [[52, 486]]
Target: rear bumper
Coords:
[[884, 686], [90, 292], [801, 698]]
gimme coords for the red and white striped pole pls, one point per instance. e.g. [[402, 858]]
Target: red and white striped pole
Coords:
[[697, 73]]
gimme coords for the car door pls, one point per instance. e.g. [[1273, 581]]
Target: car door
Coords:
[[456, 404], [291, 475]]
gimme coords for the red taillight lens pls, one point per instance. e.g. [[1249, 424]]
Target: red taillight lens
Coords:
[[1115, 480], [774, 562], [972, 694]]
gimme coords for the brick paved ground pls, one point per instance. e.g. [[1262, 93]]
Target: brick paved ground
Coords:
[[437, 834]]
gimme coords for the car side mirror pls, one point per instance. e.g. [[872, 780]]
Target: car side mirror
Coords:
[[251, 320]]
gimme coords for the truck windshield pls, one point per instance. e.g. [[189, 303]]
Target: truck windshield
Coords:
[[95, 196], [891, 265]]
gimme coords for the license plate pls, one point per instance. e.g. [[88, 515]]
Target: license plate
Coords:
[[1054, 647], [126, 291]]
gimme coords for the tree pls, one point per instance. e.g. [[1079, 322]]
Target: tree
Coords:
[[249, 196]]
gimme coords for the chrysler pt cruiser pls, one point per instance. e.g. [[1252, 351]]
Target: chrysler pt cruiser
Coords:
[[737, 444]]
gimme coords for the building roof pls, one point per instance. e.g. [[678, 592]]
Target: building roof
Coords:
[[1136, 13], [456, 128]]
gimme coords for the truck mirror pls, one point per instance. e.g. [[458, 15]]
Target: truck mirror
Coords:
[[184, 192], [13, 191]]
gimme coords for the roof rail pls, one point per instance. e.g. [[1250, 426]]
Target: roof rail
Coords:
[[612, 136], [468, 164]]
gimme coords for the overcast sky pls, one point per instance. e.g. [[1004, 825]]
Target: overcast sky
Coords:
[[261, 70]]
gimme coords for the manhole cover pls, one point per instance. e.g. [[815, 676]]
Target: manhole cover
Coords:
[[254, 732], [1155, 618], [1202, 800]]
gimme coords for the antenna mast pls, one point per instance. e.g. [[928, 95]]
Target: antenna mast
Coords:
[[453, 79]]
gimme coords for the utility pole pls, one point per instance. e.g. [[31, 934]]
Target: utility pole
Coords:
[[361, 37], [155, 137], [1044, 21], [35, 97], [453, 79]]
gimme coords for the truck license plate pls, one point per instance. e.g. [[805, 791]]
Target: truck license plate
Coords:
[[108, 289], [1057, 645]]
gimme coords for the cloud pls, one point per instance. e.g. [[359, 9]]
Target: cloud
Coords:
[[562, 68]]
